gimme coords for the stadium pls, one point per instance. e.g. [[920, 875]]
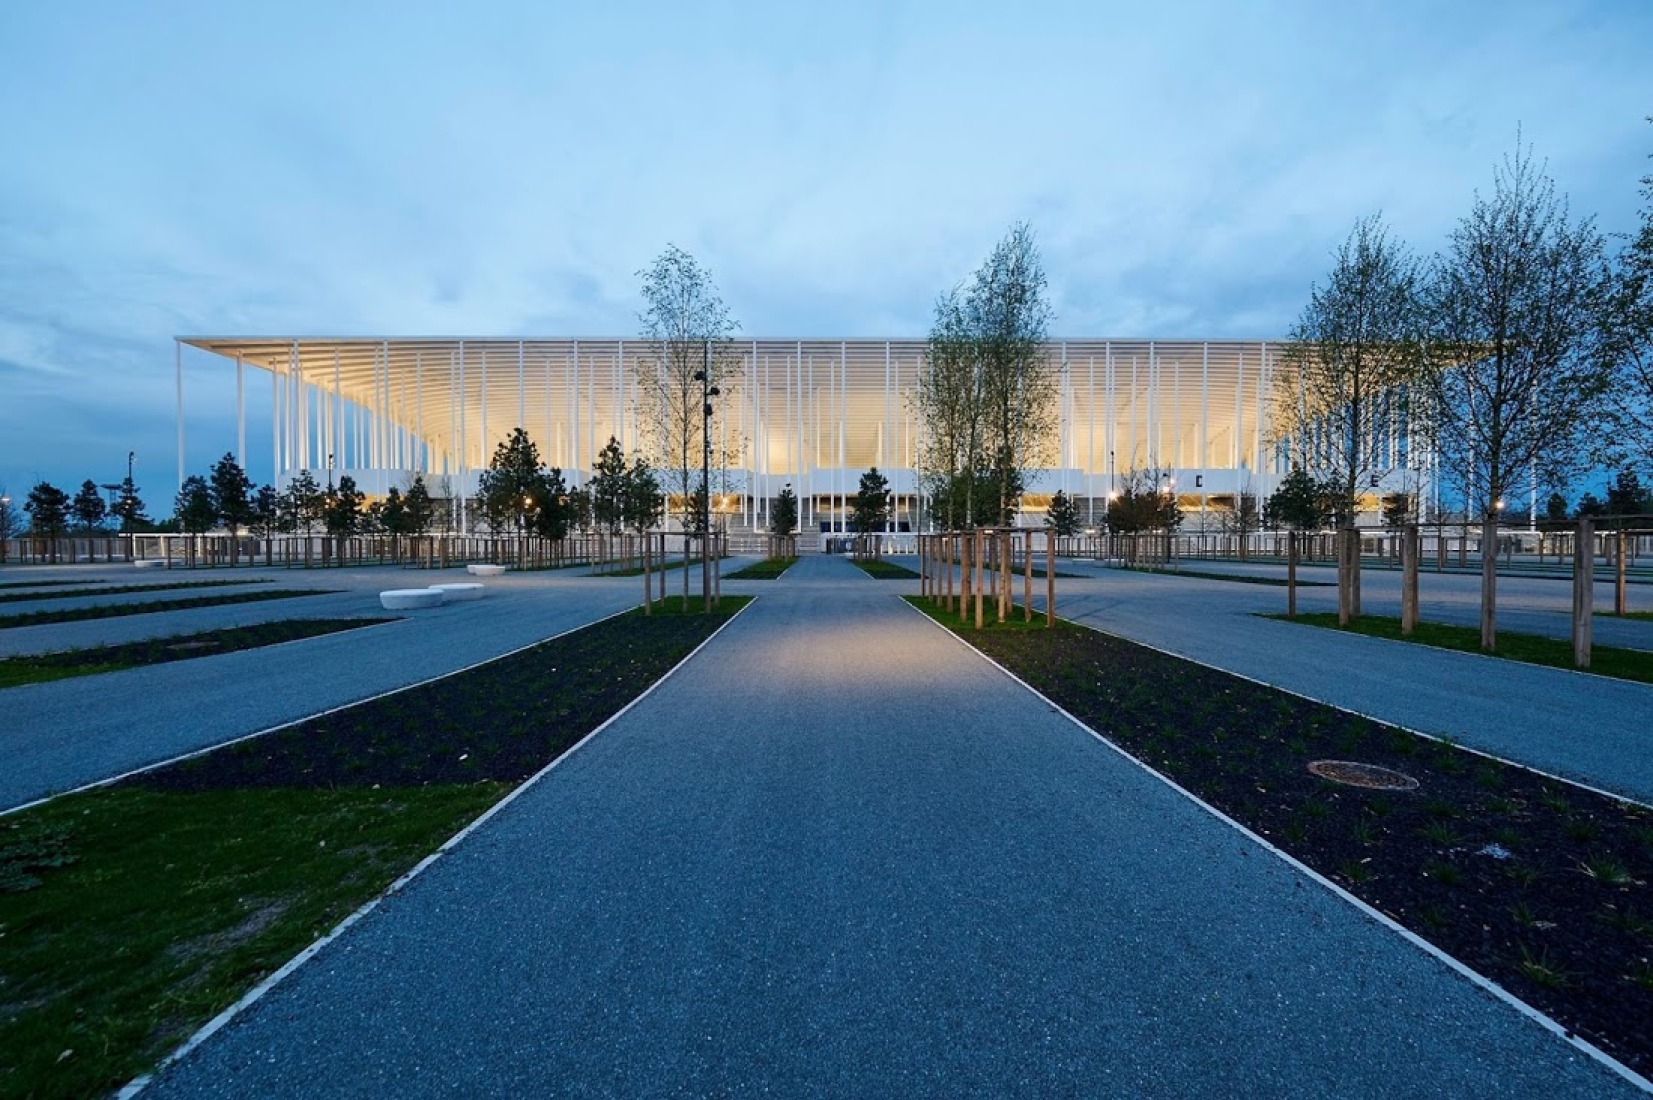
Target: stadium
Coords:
[[812, 414]]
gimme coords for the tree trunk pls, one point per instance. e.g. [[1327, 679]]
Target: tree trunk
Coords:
[[1291, 574], [1489, 582], [1408, 580]]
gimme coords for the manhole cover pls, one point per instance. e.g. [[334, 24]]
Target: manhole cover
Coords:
[[1362, 775]]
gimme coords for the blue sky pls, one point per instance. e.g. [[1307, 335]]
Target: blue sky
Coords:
[[506, 169]]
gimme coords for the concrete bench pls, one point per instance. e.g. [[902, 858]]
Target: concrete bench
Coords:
[[460, 590], [406, 599], [149, 563], [485, 570]]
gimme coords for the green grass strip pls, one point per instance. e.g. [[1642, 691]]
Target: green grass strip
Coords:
[[175, 904], [884, 570], [46, 584], [1621, 664], [656, 567], [768, 569], [117, 610], [1236, 578], [121, 590], [41, 667]]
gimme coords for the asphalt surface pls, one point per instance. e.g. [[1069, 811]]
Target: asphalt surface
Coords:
[[839, 854], [62, 734]]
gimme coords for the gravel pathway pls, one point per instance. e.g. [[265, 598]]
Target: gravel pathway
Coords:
[[840, 855]]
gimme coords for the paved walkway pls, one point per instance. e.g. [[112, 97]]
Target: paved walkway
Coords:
[[838, 854], [58, 735]]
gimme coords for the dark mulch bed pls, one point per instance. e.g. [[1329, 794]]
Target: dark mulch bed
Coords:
[[503, 721], [117, 610], [1539, 885], [177, 647], [105, 589], [47, 584]]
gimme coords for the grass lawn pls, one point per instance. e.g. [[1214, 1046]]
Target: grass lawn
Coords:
[[1539, 885], [118, 610], [655, 567], [1276, 582], [106, 589], [883, 570], [133, 914], [39, 667], [768, 569], [1621, 664]]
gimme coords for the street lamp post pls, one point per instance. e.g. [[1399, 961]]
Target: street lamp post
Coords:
[[707, 392]]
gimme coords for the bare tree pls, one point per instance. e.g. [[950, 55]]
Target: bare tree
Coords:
[[1631, 342], [1353, 356], [690, 358], [1517, 371], [987, 396]]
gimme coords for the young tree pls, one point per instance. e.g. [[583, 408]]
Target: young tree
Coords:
[[232, 497], [88, 506], [1627, 496], [986, 396], [420, 509], [1555, 511], [342, 513], [690, 356], [1630, 341], [509, 483], [48, 508], [129, 507], [552, 513], [783, 517], [1243, 517], [871, 510], [608, 487], [1063, 515], [1397, 510], [301, 507], [264, 519], [645, 503], [1146, 503], [1354, 354], [1516, 367], [1592, 506], [194, 510], [1009, 316], [11, 521], [1298, 503]]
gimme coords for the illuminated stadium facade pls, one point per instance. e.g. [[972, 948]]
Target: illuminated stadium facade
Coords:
[[813, 414]]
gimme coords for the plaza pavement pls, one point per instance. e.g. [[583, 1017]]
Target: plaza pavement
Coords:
[[58, 735], [839, 854]]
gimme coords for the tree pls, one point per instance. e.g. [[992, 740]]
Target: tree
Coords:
[[1555, 511], [48, 508], [986, 396], [88, 506], [871, 510], [1353, 356], [1397, 510], [342, 512], [1298, 503], [301, 507], [1592, 506], [608, 487], [783, 517], [1145, 503], [1242, 517], [688, 332], [1627, 496], [553, 514], [129, 507], [11, 521], [1630, 340], [1516, 368], [645, 503], [194, 510], [232, 497], [265, 518], [510, 482], [420, 509], [1062, 517]]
